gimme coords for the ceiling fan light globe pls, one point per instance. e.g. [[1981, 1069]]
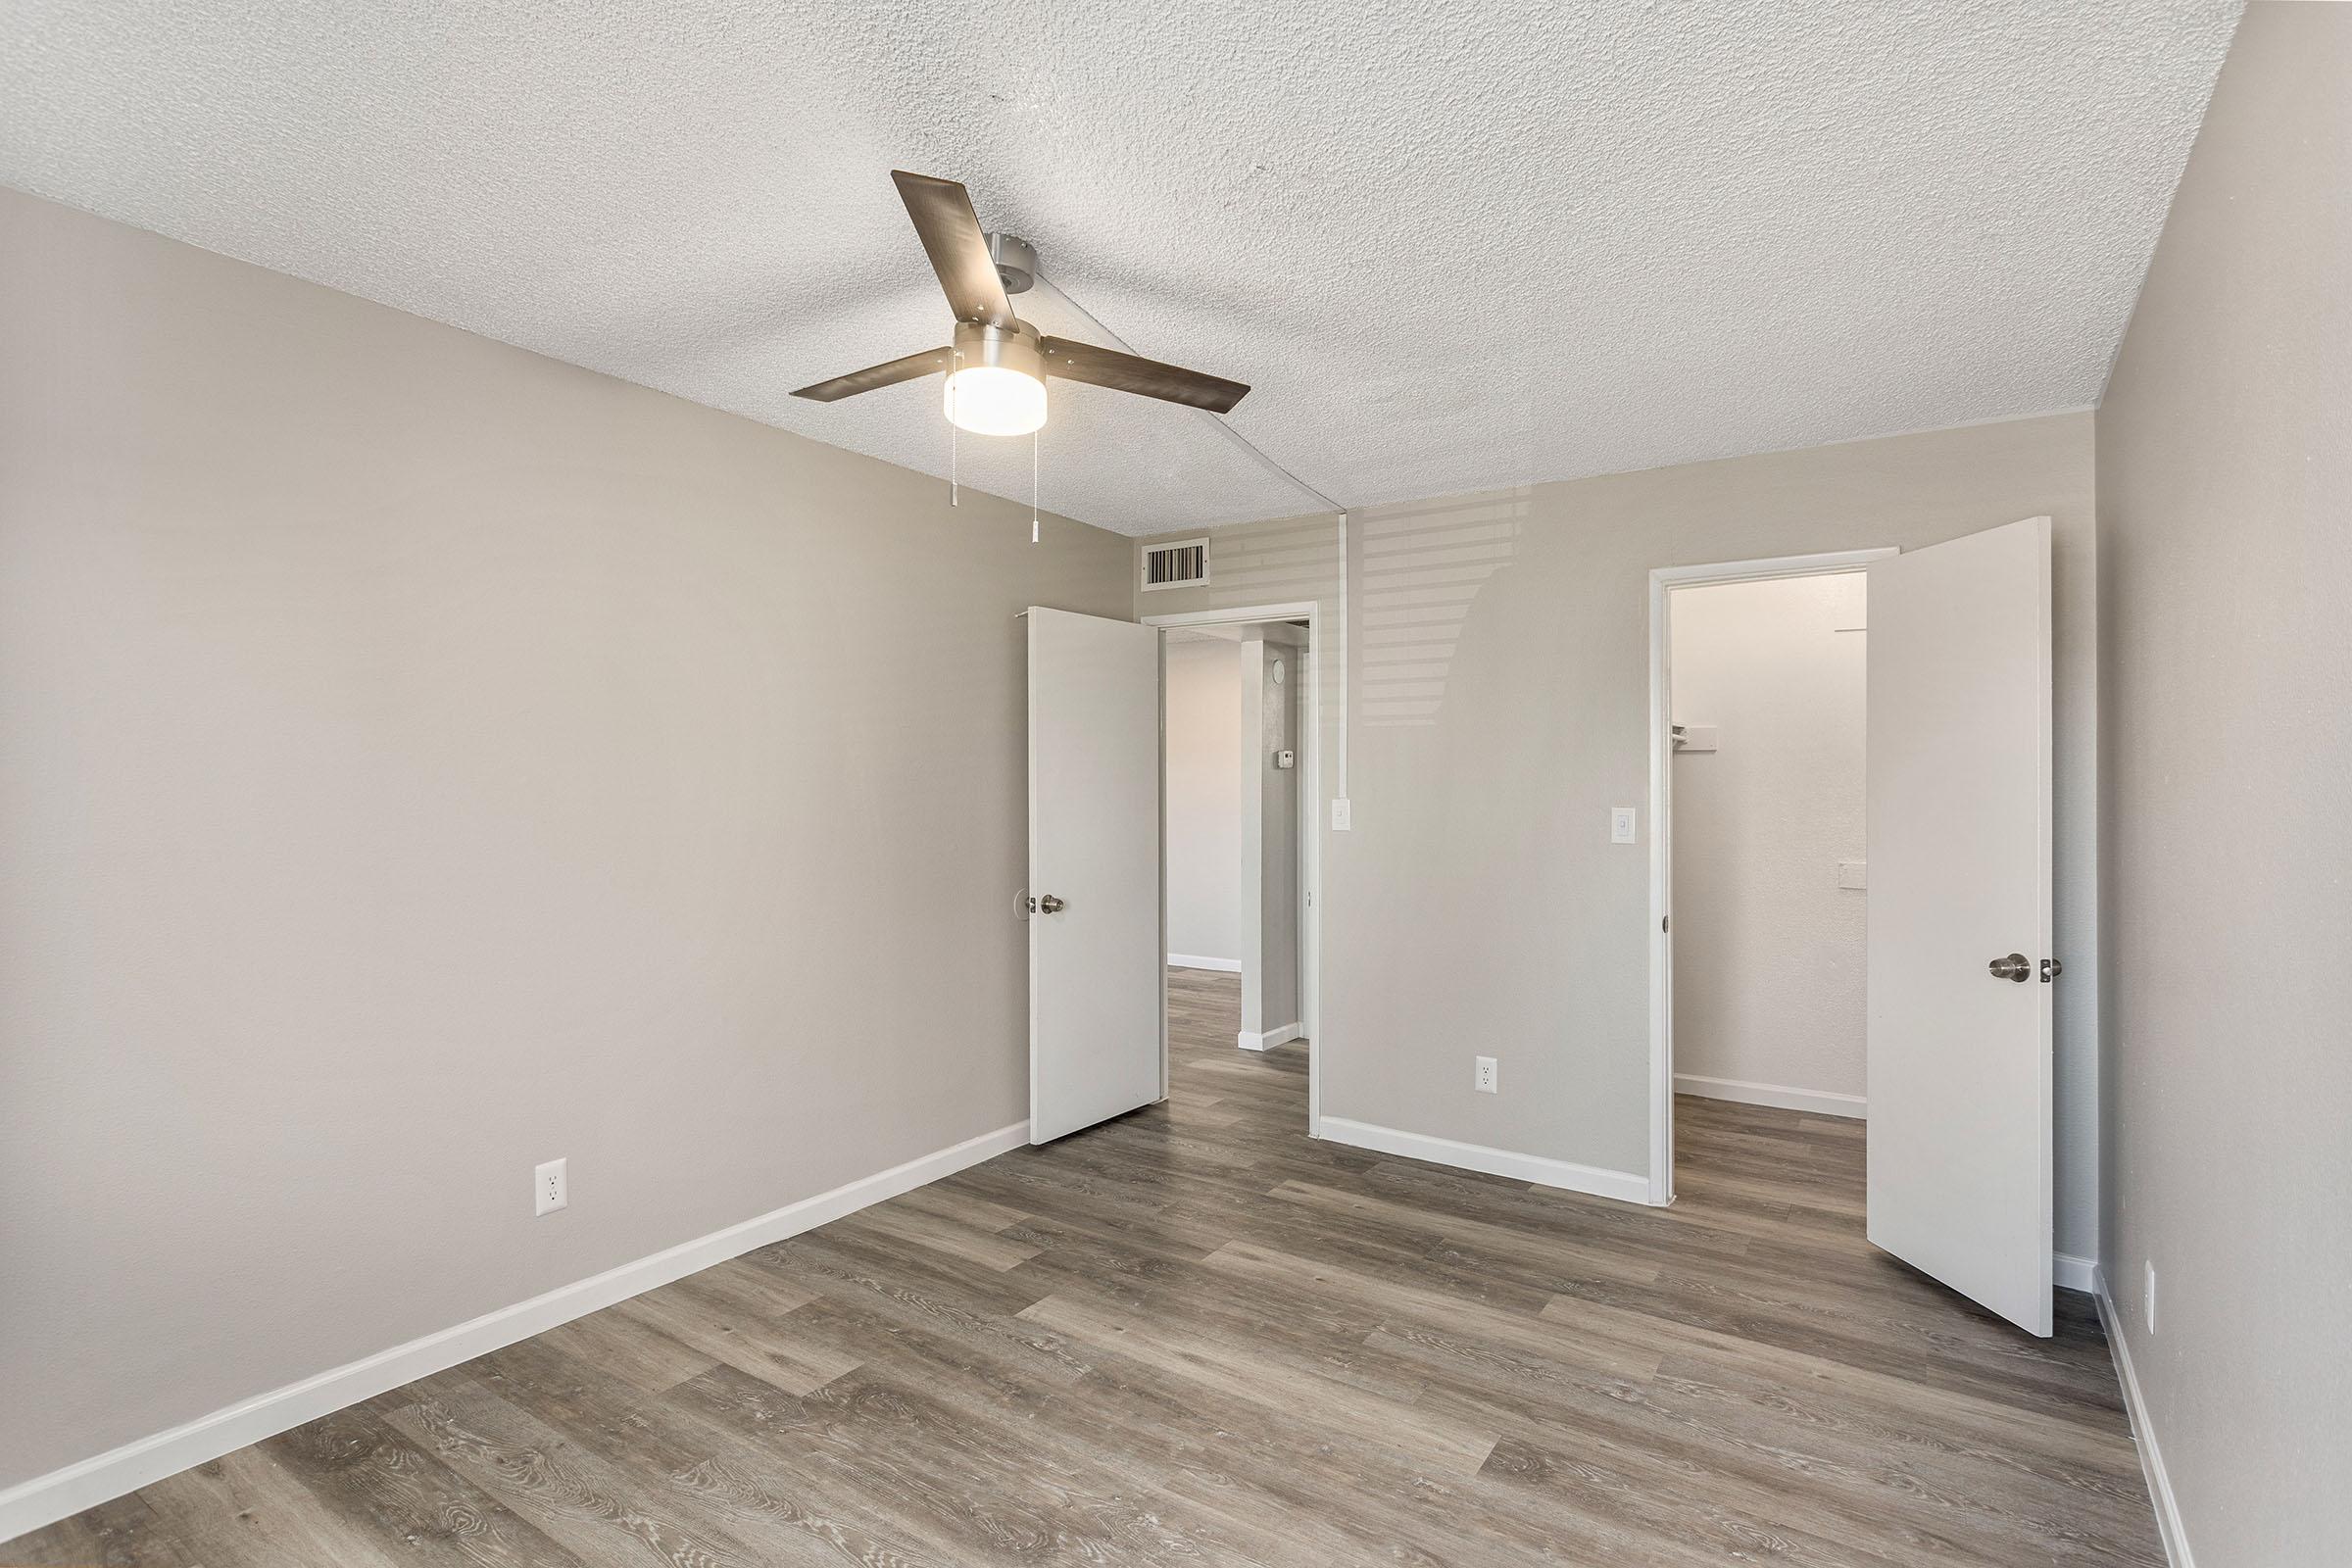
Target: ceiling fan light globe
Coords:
[[995, 400]]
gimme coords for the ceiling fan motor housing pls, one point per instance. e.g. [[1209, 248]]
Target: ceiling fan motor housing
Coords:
[[1014, 346], [1016, 259]]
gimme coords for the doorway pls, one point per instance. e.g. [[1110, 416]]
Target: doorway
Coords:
[[1954, 1175], [1767, 880], [1759, 869], [1239, 699]]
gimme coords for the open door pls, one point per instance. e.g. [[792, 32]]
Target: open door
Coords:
[[1096, 997], [1960, 943]]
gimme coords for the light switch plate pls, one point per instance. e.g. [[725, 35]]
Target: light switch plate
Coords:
[[1343, 817], [1621, 824], [1853, 873]]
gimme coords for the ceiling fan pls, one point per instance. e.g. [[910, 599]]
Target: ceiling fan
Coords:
[[998, 364]]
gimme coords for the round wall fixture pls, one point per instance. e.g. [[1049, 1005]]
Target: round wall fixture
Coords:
[[1278, 672]]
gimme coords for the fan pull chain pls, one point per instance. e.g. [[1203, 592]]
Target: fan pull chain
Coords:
[[954, 495], [1033, 487]]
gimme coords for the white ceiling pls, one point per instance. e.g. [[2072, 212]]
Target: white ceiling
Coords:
[[1453, 247]]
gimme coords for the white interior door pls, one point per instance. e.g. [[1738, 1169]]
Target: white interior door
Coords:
[[1959, 802], [1096, 985]]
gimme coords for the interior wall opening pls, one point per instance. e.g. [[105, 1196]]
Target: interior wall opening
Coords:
[[1240, 799], [1768, 875]]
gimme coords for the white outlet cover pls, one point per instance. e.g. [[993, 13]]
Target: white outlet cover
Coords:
[[550, 1188], [1485, 1076]]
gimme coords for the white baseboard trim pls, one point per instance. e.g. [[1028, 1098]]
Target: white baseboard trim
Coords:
[[1817, 1102], [61, 1493], [1194, 960], [1269, 1038], [2071, 1273], [2143, 1433], [1623, 1186]]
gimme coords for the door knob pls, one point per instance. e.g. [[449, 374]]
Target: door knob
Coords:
[[2013, 968], [1054, 905]]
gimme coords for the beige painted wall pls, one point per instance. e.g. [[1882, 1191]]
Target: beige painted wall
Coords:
[[1204, 799], [1769, 950], [1496, 655], [2225, 459], [1269, 831], [420, 759]]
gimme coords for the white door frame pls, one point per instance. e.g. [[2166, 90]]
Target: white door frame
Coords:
[[1310, 844], [1662, 581]]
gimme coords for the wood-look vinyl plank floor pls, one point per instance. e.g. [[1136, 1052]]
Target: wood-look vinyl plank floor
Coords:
[[1195, 1336]]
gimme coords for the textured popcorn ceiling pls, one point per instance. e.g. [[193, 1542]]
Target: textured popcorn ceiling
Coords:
[[1452, 246]]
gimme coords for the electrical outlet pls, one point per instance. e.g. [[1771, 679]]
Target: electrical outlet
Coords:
[[549, 1189], [1484, 1083], [2147, 1300]]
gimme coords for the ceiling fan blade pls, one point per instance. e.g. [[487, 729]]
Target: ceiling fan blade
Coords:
[[1128, 373], [950, 229], [889, 373]]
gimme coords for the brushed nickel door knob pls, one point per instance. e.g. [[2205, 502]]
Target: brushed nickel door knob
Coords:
[[2013, 968]]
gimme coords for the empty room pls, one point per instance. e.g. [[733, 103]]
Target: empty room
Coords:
[[1478, 786]]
